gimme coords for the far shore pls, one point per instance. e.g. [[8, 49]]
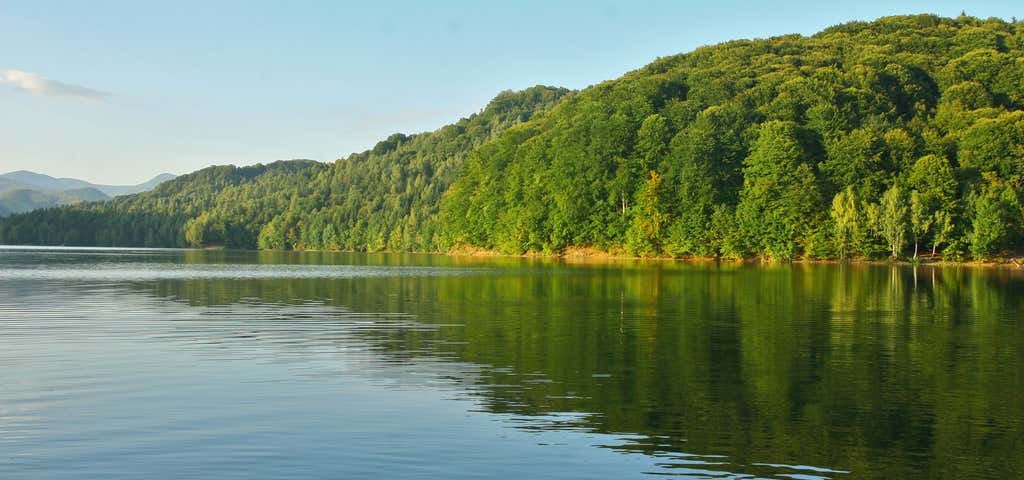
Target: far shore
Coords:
[[589, 253], [595, 255]]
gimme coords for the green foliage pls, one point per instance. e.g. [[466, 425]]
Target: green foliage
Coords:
[[748, 141], [644, 235], [920, 219], [765, 129], [384, 198], [780, 201], [707, 158], [943, 223], [213, 206], [995, 145], [935, 180], [652, 140], [893, 220], [845, 221], [997, 211]]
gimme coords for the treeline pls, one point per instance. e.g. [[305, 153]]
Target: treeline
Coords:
[[169, 215], [889, 138], [388, 198]]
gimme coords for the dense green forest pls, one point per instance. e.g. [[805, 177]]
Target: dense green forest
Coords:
[[871, 139]]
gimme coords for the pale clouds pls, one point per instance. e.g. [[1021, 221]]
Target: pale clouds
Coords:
[[37, 85]]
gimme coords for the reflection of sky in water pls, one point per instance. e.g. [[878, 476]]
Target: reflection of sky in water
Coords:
[[142, 272]]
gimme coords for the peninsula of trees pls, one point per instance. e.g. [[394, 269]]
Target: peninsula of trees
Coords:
[[891, 138]]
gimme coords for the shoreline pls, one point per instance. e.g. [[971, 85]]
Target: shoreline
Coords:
[[588, 253]]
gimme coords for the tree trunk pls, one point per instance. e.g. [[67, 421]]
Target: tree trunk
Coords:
[[915, 249]]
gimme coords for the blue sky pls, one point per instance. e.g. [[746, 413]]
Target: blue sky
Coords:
[[116, 92]]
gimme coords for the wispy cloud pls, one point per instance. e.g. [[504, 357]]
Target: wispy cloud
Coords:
[[42, 86]]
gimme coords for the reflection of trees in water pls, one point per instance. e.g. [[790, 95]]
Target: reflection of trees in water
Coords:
[[870, 369]]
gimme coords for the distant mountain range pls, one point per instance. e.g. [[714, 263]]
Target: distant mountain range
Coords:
[[23, 191]]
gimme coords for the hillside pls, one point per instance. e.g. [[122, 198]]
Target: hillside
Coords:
[[370, 199], [868, 139], [154, 218], [18, 200]]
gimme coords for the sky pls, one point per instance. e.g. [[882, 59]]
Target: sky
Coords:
[[116, 92]]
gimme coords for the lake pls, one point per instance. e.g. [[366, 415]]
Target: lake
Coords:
[[218, 364]]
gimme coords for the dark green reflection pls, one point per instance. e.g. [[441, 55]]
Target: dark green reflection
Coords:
[[887, 372]]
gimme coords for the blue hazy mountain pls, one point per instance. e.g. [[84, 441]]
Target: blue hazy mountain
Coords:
[[23, 191], [46, 183]]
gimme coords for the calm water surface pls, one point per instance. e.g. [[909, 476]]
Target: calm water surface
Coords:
[[191, 364]]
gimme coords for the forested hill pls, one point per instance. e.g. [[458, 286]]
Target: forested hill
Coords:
[[866, 139], [158, 218], [863, 139], [387, 197]]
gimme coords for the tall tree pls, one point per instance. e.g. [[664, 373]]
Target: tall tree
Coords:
[[893, 220], [845, 218], [920, 219]]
